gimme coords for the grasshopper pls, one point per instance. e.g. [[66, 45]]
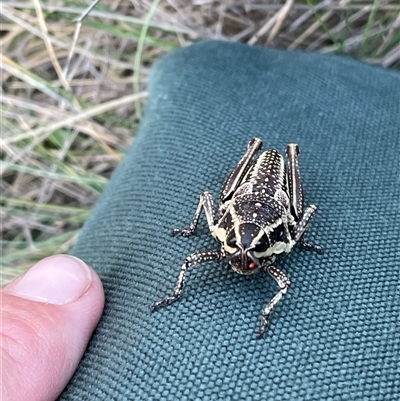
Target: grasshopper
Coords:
[[261, 217]]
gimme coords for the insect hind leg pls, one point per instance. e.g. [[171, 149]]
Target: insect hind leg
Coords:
[[295, 181], [234, 179]]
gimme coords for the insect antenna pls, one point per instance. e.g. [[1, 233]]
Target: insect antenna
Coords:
[[231, 256]]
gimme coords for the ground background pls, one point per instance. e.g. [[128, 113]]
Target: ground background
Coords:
[[70, 107]]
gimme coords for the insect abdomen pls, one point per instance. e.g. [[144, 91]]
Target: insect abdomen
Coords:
[[268, 172]]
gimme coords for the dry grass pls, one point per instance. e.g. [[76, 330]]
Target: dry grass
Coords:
[[66, 122]]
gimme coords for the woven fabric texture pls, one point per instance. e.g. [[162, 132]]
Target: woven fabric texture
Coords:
[[336, 334]]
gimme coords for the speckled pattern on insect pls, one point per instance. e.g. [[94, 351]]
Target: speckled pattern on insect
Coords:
[[261, 216]]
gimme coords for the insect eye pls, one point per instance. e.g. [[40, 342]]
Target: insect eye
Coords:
[[231, 240], [262, 245]]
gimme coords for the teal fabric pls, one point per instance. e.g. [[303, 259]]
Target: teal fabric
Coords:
[[336, 335]]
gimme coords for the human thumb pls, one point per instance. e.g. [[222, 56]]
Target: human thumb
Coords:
[[47, 317]]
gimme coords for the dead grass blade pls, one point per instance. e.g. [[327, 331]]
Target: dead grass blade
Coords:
[[74, 83]]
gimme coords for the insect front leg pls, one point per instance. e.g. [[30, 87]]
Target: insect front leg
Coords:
[[193, 259], [206, 202], [284, 283]]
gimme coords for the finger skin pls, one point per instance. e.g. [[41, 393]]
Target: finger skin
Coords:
[[41, 344]]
